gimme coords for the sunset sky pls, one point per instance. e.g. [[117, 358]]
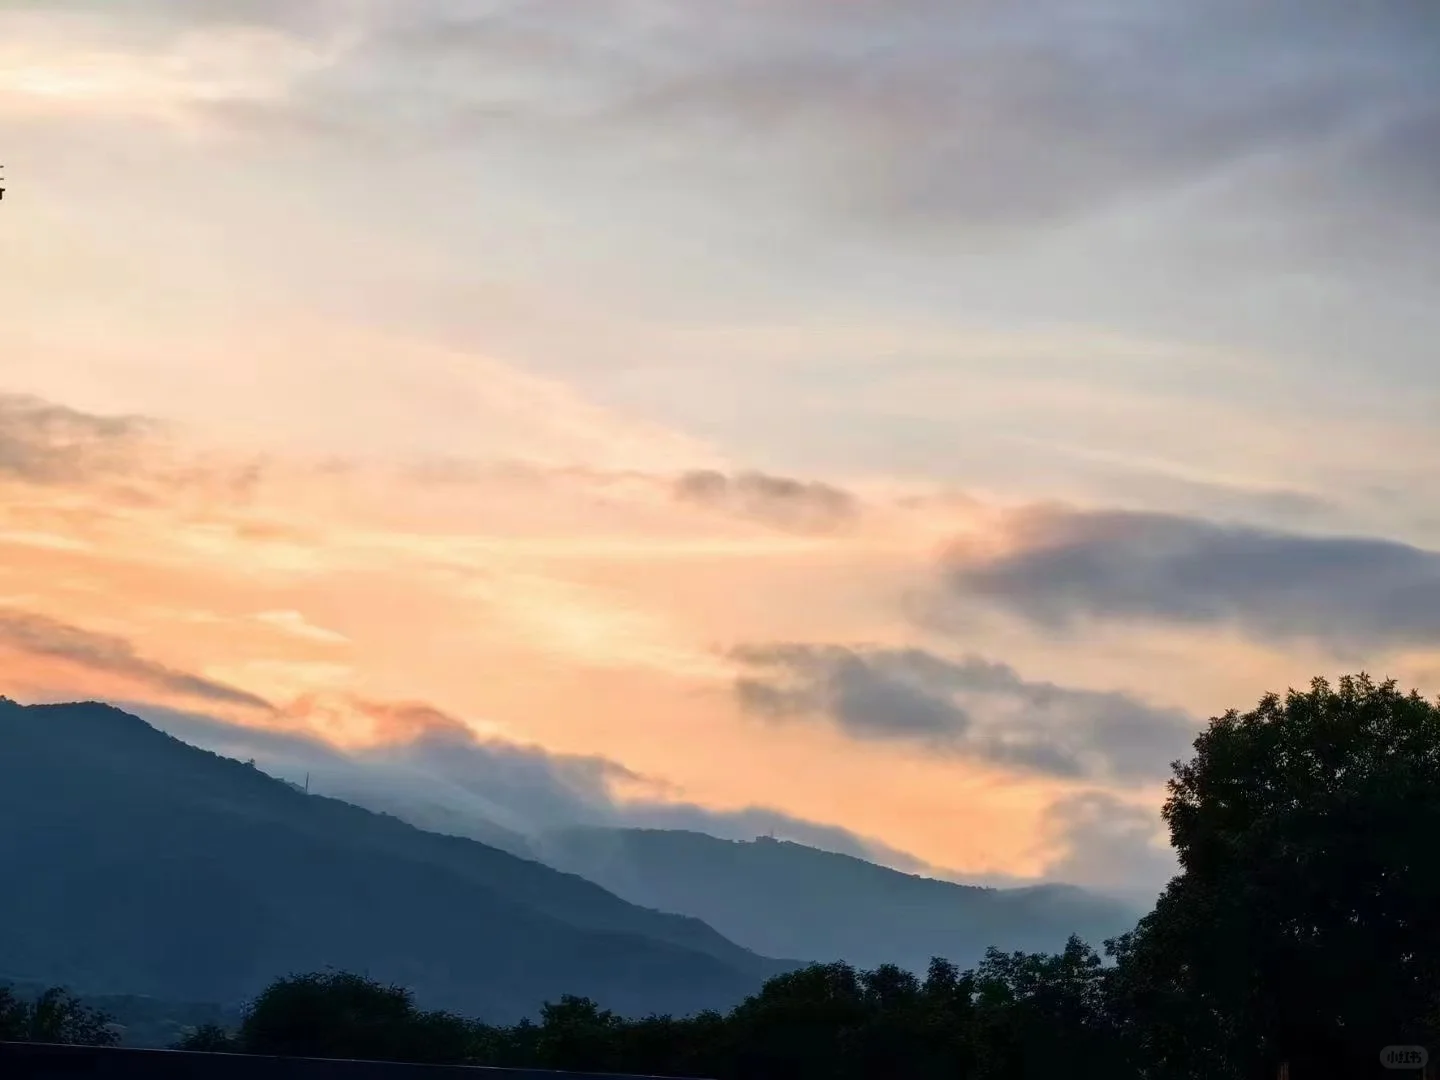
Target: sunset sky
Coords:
[[896, 423]]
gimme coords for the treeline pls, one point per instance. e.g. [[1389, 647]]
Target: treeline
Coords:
[[822, 1021], [1303, 927], [53, 1016]]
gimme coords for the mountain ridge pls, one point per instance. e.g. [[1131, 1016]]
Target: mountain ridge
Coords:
[[128, 843], [823, 905]]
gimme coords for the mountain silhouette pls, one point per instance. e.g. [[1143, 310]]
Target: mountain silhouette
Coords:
[[137, 864], [786, 899]]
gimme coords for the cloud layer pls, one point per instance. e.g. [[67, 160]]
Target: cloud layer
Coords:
[[1343, 592], [1110, 844], [971, 707], [907, 116]]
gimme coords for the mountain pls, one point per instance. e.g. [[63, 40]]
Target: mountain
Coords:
[[137, 864], [786, 899], [431, 815]]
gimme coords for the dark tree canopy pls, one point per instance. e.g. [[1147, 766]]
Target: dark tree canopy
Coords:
[[341, 1015], [53, 1016], [1305, 922]]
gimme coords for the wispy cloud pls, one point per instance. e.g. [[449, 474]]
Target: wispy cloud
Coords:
[[39, 635], [438, 770], [1109, 844], [1067, 566], [73, 60], [45, 443], [295, 623], [915, 113], [799, 505], [969, 707]]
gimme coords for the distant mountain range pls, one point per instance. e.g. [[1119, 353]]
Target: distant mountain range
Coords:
[[136, 864], [786, 899]]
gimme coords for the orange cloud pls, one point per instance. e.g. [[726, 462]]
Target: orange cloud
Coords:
[[355, 724]]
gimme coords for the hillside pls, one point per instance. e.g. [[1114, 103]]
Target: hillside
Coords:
[[782, 898], [137, 864]]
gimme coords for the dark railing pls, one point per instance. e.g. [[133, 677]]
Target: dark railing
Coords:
[[40, 1061]]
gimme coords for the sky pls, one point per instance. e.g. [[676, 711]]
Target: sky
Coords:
[[896, 425]]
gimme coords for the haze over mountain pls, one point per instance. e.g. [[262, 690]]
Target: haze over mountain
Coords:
[[783, 898], [510, 797], [681, 858], [138, 864]]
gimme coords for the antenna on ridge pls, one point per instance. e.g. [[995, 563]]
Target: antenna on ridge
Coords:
[[307, 783]]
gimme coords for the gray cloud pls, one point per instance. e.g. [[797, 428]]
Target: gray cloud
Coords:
[[804, 506], [871, 694], [909, 113], [798, 505], [497, 792], [970, 707], [39, 635], [915, 113], [43, 443], [1109, 845], [1345, 592]]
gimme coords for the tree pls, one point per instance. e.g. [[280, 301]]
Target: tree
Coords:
[[945, 1045], [1042, 1016], [795, 1027], [341, 1015], [900, 1029], [54, 1016], [666, 1046], [208, 1039], [575, 1033], [1302, 925], [13, 1011]]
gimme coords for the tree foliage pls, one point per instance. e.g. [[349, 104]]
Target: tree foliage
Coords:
[[1305, 922], [53, 1016], [336, 1014]]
